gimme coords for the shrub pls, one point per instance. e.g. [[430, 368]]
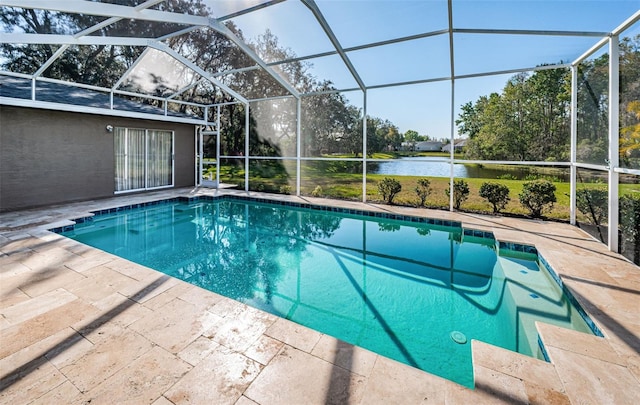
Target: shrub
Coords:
[[317, 192], [507, 176], [285, 189], [388, 189], [423, 189], [460, 193], [630, 222], [497, 194], [538, 195]]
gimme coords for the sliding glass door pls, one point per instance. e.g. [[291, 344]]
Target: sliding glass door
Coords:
[[143, 159]]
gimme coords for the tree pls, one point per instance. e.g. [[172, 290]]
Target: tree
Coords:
[[630, 135], [537, 196], [528, 120], [497, 194], [411, 137]]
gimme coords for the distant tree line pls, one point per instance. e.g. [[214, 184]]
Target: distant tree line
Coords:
[[530, 118]]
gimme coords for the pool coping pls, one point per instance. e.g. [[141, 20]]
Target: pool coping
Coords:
[[496, 376]]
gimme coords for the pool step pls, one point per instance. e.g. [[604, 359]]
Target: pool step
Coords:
[[580, 360], [509, 377], [574, 374]]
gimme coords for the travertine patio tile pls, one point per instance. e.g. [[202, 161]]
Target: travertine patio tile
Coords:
[[264, 349], [220, 378], [633, 364], [53, 257], [98, 283], [11, 269], [19, 257], [295, 335], [101, 327], [245, 401], [624, 338], [253, 315], [149, 287], [237, 334], [27, 374], [200, 297], [498, 387], [590, 380], [22, 363], [456, 394], [32, 382], [350, 357], [36, 283], [198, 350], [609, 297], [88, 261], [241, 330], [139, 382], [76, 247], [523, 367], [393, 382], [162, 401], [587, 273], [65, 347], [61, 394], [226, 307], [537, 394], [160, 300], [120, 309], [303, 378], [37, 306], [175, 325], [24, 334], [130, 269], [167, 296], [27, 242], [105, 359], [9, 298]]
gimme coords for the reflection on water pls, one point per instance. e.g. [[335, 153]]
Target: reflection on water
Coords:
[[430, 167], [397, 288]]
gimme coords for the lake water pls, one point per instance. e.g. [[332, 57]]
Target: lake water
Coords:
[[432, 167]]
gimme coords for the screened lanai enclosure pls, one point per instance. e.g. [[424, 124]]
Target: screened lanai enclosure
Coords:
[[527, 108]]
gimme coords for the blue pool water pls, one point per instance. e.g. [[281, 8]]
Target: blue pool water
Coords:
[[415, 292]]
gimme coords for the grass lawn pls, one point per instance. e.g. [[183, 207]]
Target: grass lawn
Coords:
[[343, 180]]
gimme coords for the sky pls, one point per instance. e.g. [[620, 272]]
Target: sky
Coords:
[[426, 108]]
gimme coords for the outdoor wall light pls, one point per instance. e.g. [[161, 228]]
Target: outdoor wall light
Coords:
[[109, 128]]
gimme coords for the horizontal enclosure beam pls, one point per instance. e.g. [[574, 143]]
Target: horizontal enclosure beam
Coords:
[[557, 33], [107, 10], [57, 39], [45, 105]]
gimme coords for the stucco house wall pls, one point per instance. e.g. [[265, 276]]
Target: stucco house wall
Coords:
[[49, 156]]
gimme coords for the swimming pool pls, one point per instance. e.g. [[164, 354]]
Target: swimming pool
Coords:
[[413, 289]]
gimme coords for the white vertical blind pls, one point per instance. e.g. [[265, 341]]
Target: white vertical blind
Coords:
[[159, 158], [143, 159]]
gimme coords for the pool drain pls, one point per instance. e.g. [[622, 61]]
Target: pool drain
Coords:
[[458, 337]]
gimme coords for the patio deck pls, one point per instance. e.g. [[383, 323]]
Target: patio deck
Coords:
[[79, 326]]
